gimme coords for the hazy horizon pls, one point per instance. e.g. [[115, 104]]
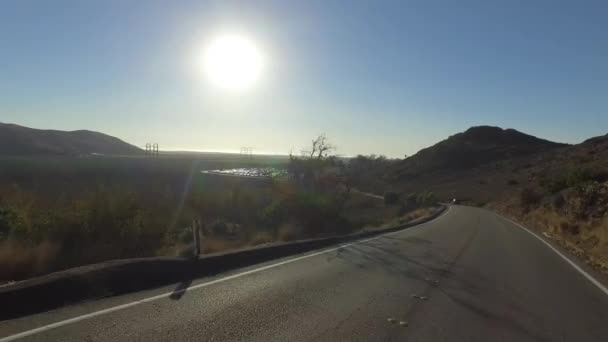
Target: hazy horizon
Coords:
[[388, 77]]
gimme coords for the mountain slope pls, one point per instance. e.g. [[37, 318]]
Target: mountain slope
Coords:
[[564, 194], [559, 190], [474, 147], [19, 140]]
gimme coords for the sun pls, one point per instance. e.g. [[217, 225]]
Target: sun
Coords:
[[232, 62]]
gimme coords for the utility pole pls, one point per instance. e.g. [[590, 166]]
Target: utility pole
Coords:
[[196, 226]]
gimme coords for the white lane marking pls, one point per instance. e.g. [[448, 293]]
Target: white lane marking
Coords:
[[572, 263], [166, 295]]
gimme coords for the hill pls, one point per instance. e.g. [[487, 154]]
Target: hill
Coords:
[[474, 147], [564, 195], [17, 140], [559, 190]]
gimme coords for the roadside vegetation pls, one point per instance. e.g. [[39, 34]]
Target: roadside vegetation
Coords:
[[565, 197], [368, 173], [61, 213], [571, 209]]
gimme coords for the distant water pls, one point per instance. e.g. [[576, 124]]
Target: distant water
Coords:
[[266, 172]]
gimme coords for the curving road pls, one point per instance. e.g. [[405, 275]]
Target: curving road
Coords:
[[469, 275]]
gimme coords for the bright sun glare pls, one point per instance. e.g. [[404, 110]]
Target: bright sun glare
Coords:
[[232, 62]]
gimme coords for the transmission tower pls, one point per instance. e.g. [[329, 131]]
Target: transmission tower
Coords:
[[155, 150], [247, 151], [152, 150]]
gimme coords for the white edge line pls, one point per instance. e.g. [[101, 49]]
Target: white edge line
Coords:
[[165, 295], [567, 259]]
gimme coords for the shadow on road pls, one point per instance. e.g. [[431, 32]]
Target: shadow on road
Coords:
[[469, 287], [180, 290]]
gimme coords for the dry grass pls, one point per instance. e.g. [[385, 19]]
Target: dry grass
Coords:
[[419, 213], [17, 260], [586, 240], [261, 238], [601, 248], [213, 245], [289, 232], [415, 215]]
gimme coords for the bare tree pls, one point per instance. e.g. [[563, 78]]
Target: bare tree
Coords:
[[320, 147], [312, 163]]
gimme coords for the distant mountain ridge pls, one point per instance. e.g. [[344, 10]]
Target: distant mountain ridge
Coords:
[[18, 140], [476, 146]]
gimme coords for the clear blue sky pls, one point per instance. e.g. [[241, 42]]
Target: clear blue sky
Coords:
[[386, 77]]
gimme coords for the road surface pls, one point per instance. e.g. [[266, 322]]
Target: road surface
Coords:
[[469, 275]]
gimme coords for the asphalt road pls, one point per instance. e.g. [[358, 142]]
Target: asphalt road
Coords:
[[467, 276]]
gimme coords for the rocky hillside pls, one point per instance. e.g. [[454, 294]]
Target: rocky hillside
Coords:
[[564, 195], [17, 140], [474, 147], [559, 190]]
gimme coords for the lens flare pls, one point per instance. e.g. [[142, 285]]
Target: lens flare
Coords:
[[232, 62]]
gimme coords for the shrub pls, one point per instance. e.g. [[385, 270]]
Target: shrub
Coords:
[[272, 214], [558, 201], [529, 197], [316, 212], [185, 236], [391, 197], [213, 245], [411, 200], [225, 229], [591, 200], [96, 219], [289, 232], [512, 182], [19, 260], [426, 199], [7, 217], [261, 238], [572, 178], [217, 228], [361, 202], [569, 228], [556, 185]]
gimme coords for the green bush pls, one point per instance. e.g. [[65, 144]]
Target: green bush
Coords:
[[7, 217], [218, 228], [426, 199], [273, 214], [186, 236], [572, 178]]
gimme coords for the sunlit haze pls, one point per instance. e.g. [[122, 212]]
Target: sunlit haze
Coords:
[[232, 62], [386, 77]]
